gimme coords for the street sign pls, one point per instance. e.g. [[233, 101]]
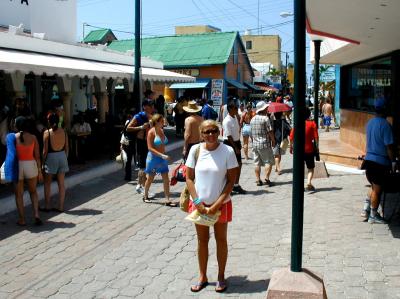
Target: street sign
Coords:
[[328, 76]]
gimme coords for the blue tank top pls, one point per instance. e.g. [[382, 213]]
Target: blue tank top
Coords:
[[158, 141]]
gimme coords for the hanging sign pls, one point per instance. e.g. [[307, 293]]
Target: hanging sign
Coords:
[[217, 90]]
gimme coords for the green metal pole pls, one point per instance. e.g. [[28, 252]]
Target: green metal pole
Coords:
[[317, 55], [136, 82], [299, 139]]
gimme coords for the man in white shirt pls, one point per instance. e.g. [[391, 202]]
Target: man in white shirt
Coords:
[[231, 137]]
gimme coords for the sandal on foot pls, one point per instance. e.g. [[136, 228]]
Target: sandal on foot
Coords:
[[46, 210], [171, 204], [199, 286], [57, 210], [146, 199], [259, 183], [220, 286], [38, 221], [21, 224]]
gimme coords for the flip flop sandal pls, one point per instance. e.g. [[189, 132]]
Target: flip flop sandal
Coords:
[[171, 204], [46, 210], [220, 287], [198, 287], [38, 222], [146, 199], [57, 210], [21, 224]]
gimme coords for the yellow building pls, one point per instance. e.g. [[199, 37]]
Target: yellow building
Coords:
[[195, 29], [263, 48]]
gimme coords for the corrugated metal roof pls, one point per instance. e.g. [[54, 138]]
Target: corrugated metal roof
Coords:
[[184, 50], [95, 35]]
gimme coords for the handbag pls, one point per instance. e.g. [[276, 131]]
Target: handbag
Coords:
[[185, 195], [284, 144], [203, 219], [3, 174], [316, 151]]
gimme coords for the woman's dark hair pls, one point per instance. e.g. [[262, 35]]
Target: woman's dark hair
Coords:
[[307, 114], [20, 124], [53, 120], [278, 115]]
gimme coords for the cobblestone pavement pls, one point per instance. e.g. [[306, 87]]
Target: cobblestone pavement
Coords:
[[109, 244]]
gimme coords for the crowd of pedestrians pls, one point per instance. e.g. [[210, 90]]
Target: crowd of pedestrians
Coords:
[[212, 154]]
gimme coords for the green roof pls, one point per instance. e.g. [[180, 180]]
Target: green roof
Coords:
[[96, 35], [184, 50]]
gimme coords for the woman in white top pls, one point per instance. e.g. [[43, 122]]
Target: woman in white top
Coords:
[[215, 171]]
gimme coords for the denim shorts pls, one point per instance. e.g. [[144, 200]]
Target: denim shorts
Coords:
[[56, 163]]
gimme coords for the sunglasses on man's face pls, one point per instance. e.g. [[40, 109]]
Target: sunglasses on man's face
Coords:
[[211, 131]]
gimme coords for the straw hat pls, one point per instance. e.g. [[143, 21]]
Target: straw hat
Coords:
[[192, 107]]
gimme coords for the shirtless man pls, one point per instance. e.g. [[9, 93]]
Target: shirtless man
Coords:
[[192, 124], [327, 111]]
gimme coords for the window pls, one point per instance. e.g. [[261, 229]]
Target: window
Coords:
[[249, 45], [365, 82]]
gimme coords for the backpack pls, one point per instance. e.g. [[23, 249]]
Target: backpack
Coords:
[[214, 114]]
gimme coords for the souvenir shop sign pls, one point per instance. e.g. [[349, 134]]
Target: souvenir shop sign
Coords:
[[217, 89]]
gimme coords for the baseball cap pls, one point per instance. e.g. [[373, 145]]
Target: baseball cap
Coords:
[[380, 103]]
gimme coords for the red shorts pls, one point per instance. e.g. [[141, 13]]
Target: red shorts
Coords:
[[226, 211]]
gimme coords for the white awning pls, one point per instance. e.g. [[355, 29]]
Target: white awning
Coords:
[[26, 62]]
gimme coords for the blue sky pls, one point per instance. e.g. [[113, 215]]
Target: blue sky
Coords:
[[159, 17]]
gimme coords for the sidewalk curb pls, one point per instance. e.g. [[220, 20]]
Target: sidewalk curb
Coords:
[[7, 204], [346, 169]]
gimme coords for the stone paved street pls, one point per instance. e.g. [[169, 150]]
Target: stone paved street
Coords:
[[109, 244]]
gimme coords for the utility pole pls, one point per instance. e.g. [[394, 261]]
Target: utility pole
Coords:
[[137, 76], [258, 16], [286, 69], [317, 56]]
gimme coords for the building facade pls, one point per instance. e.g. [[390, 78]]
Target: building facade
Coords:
[[207, 57]]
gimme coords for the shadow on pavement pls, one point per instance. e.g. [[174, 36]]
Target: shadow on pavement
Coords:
[[289, 170], [259, 191], [325, 189], [75, 197], [84, 212], [277, 183], [240, 284], [10, 228]]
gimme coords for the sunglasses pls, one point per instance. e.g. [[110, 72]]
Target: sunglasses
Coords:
[[211, 131]]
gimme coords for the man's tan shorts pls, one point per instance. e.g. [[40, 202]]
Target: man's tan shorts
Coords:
[[263, 156]]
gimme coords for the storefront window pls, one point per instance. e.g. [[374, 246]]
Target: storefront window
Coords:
[[365, 82]]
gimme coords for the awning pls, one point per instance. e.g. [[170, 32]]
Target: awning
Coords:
[[26, 62], [236, 84], [254, 87], [265, 87], [191, 85]]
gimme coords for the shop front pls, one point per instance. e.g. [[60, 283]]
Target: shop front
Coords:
[[361, 84]]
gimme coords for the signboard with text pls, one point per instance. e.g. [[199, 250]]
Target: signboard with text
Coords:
[[55, 18], [188, 72], [328, 76], [217, 90]]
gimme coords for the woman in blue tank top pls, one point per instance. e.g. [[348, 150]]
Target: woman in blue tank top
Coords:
[[157, 160]]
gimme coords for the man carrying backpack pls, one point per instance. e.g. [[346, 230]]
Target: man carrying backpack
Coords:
[[208, 111]]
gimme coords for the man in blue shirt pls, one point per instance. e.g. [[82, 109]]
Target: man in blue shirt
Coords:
[[378, 160], [208, 112]]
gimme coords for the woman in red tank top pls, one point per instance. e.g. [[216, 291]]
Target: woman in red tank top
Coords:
[[29, 169]]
